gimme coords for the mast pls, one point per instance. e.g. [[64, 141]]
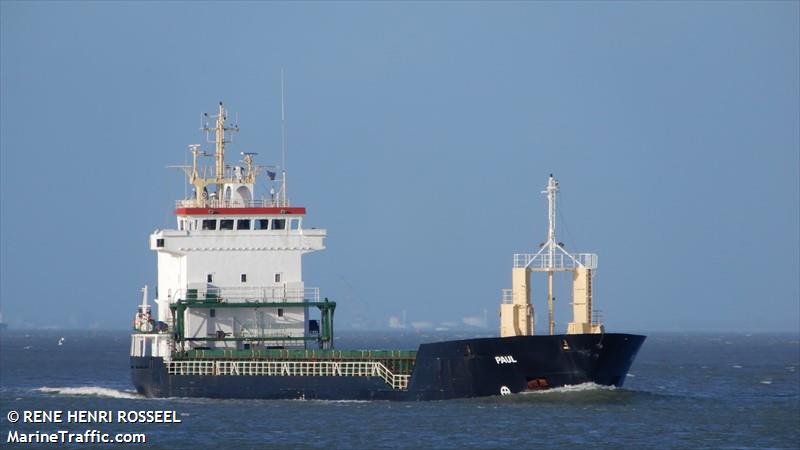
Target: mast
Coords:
[[552, 188], [218, 178], [219, 146], [219, 153], [219, 143], [516, 311]]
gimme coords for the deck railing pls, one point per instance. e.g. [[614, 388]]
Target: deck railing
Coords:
[[597, 317], [217, 203], [559, 261], [253, 294], [289, 369]]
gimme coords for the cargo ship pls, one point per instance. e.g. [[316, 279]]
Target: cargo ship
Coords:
[[235, 319]]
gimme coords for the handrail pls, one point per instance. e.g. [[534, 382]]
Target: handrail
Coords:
[[560, 261], [217, 203], [290, 368], [597, 317], [255, 293]]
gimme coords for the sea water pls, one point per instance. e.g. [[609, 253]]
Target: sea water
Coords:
[[683, 391]]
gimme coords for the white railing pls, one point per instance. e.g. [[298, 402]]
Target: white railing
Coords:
[[289, 369], [395, 381], [147, 344], [507, 295], [560, 261], [270, 294], [597, 317], [217, 203], [257, 294]]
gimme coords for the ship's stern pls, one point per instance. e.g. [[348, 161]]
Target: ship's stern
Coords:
[[149, 376]]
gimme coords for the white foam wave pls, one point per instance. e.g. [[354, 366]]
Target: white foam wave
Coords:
[[583, 387], [90, 390], [344, 401]]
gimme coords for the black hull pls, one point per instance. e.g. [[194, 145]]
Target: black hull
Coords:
[[443, 370]]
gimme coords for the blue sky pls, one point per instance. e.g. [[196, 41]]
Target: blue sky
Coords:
[[419, 135]]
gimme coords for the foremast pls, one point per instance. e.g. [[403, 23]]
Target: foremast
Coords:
[[516, 310]]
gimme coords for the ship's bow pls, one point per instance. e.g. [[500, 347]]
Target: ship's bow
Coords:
[[614, 356], [493, 366]]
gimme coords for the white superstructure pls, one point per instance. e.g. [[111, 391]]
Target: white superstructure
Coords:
[[231, 250]]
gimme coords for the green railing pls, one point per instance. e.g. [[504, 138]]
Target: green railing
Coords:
[[212, 300]]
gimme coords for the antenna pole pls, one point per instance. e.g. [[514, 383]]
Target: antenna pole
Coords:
[[283, 147], [552, 188], [186, 182]]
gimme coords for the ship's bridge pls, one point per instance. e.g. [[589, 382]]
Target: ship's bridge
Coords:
[[238, 218]]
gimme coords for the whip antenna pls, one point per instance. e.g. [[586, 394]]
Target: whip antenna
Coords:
[[283, 146]]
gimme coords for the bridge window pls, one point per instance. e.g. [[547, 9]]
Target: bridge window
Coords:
[[244, 278], [277, 278], [210, 224], [294, 224], [210, 278], [262, 224], [159, 243], [243, 224], [226, 224], [279, 224]]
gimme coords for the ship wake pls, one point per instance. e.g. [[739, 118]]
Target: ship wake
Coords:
[[571, 388], [95, 391]]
